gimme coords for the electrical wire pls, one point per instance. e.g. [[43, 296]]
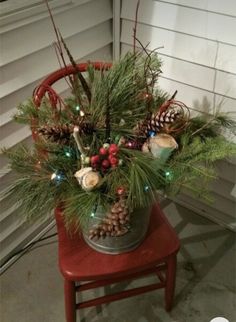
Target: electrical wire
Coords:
[[27, 247]]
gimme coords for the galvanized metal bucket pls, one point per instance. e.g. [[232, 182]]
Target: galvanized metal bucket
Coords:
[[121, 244]]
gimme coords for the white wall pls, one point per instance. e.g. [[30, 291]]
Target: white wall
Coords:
[[199, 60], [27, 56]]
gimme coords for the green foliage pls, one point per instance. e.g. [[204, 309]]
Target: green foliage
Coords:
[[33, 188], [120, 89], [192, 166], [46, 173], [207, 125]]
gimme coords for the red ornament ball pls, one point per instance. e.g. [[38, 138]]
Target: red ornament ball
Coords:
[[114, 161], [103, 151], [106, 164], [95, 159], [110, 156], [120, 191], [113, 149]]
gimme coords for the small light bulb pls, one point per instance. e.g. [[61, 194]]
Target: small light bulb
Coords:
[[77, 108], [169, 175], [81, 113], [92, 214], [57, 177], [53, 176], [68, 154], [146, 188], [122, 122], [151, 133]]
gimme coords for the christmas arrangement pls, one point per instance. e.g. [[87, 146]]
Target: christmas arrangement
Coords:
[[116, 144]]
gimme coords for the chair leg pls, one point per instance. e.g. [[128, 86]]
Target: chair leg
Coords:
[[170, 282], [70, 301]]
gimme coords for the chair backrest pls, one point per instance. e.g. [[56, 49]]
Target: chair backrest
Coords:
[[46, 86], [52, 78]]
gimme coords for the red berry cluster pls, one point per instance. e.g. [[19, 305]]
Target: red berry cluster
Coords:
[[107, 157]]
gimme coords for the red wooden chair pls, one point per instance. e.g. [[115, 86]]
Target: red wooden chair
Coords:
[[80, 263]]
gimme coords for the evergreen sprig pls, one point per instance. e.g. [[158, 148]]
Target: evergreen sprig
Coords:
[[118, 102], [193, 166]]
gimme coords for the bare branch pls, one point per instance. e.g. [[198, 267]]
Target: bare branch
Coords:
[[135, 26], [81, 78]]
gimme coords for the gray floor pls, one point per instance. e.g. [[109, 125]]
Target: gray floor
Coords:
[[32, 289]]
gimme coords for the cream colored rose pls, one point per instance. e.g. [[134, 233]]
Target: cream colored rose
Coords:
[[161, 146], [87, 178]]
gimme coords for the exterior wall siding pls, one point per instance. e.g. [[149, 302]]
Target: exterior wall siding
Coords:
[[198, 53]]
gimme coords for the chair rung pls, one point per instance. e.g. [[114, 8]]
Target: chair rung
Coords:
[[119, 295], [161, 277], [114, 280]]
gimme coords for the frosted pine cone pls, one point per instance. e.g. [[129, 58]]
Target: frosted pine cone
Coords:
[[171, 117], [157, 122]]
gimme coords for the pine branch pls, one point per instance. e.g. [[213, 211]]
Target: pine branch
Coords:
[[211, 124], [107, 121]]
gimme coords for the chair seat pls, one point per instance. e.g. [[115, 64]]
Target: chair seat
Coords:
[[78, 261]]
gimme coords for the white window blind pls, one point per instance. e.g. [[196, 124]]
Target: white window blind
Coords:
[[24, 62]]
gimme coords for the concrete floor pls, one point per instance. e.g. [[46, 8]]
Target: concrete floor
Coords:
[[32, 289]]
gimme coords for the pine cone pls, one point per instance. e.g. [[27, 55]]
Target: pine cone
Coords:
[[157, 122], [62, 133], [57, 133], [86, 128], [172, 117], [114, 224]]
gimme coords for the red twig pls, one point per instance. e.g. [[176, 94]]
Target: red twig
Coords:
[[167, 103], [58, 43], [58, 59], [80, 76], [148, 53], [135, 26]]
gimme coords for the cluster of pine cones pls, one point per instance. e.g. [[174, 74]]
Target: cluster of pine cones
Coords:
[[114, 224]]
